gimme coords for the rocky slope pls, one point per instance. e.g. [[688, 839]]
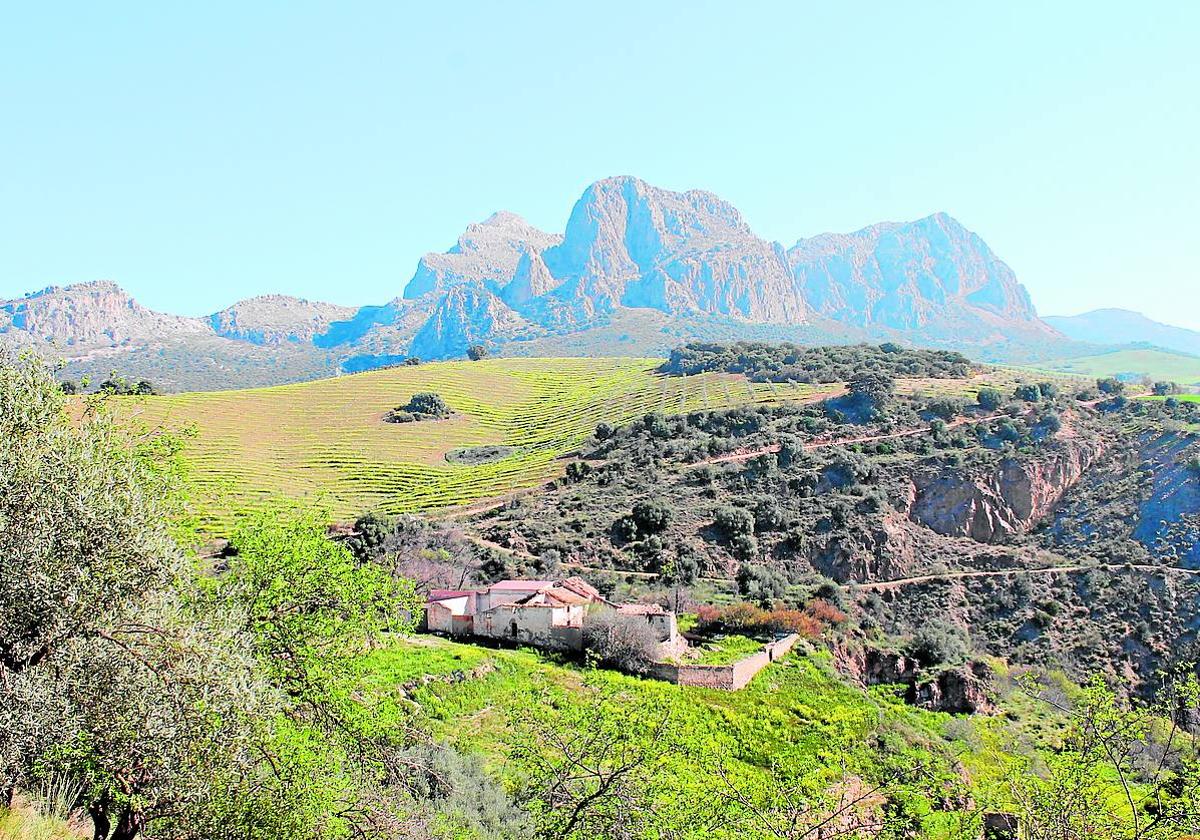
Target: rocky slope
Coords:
[[89, 315], [1002, 503], [277, 319], [929, 274]]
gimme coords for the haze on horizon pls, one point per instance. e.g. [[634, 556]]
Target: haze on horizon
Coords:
[[198, 155]]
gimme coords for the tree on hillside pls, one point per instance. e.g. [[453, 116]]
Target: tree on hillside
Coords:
[[106, 675], [185, 705], [989, 398], [589, 769], [476, 352], [1110, 385], [871, 390], [625, 642], [1123, 772]]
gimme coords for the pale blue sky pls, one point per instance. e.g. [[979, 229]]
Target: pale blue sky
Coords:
[[197, 153]]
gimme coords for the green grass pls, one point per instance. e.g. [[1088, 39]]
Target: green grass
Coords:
[[1195, 398], [326, 441], [727, 650], [796, 714], [1156, 364], [27, 824]]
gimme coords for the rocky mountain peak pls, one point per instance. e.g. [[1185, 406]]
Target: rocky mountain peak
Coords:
[[632, 244], [486, 252], [467, 314], [910, 275], [97, 313], [276, 319]]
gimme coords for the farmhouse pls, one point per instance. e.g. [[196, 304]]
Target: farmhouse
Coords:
[[544, 613]]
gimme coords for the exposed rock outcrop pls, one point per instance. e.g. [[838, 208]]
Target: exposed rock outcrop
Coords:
[[467, 314], [997, 506], [965, 689], [277, 319], [931, 273], [486, 253], [99, 314], [629, 248]]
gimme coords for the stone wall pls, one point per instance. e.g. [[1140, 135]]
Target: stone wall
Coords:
[[726, 677]]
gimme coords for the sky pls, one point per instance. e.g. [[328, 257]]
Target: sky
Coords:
[[199, 153]]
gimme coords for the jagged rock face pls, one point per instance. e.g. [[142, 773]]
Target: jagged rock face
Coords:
[[466, 315], [95, 314], [629, 248], [277, 319], [630, 244], [965, 689], [486, 253], [909, 276], [996, 507]]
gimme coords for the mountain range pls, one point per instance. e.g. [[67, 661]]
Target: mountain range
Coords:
[[1121, 326], [636, 270]]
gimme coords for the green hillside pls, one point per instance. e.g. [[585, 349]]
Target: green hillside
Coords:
[[512, 420], [1155, 364], [327, 439], [797, 722]]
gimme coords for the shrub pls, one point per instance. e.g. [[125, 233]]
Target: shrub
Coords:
[[734, 520], [1028, 393], [651, 516], [761, 584], [429, 403], [625, 642], [938, 643], [989, 398], [476, 352], [423, 406], [1110, 385], [751, 619]]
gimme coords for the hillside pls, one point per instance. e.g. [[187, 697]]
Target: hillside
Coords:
[[646, 266], [1120, 326], [721, 755], [1132, 365], [998, 518], [327, 441]]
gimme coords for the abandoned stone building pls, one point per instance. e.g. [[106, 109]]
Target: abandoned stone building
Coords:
[[545, 613]]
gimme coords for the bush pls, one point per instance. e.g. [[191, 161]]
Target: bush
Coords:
[[749, 619], [625, 642], [761, 584], [651, 517], [734, 520], [938, 643], [989, 398], [476, 352], [423, 406], [1028, 393], [1110, 385]]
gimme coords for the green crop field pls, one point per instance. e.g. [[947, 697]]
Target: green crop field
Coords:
[[1155, 364], [326, 440]]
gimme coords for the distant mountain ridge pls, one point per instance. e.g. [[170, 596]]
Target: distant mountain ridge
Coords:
[[1121, 326], [627, 247]]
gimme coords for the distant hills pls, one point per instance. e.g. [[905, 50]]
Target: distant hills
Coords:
[[1120, 326], [637, 269]]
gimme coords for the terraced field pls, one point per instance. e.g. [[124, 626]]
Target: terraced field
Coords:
[[326, 440]]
